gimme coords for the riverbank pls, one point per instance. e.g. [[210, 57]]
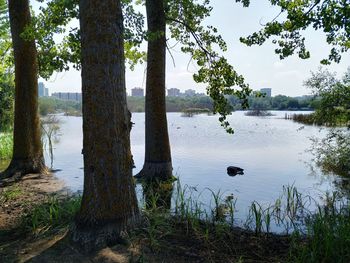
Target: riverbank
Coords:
[[36, 214], [159, 237]]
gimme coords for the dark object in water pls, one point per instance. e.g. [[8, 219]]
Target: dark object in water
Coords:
[[55, 170], [234, 170]]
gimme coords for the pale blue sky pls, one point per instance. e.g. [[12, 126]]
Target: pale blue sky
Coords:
[[260, 66]]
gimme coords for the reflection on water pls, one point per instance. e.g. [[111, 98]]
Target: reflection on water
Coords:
[[271, 151]]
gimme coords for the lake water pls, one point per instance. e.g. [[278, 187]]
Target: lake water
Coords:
[[271, 150]]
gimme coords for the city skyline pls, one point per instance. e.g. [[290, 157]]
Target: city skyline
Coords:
[[173, 92]]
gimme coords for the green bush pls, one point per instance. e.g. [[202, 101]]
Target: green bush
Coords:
[[332, 153]]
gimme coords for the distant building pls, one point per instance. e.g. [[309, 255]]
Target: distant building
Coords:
[[73, 96], [190, 92], [173, 92], [42, 91], [137, 92], [266, 91]]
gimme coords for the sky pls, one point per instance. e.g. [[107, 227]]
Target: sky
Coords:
[[260, 66]]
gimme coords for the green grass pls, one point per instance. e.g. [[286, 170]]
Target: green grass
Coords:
[[328, 235], [6, 142], [10, 194], [53, 213], [321, 235]]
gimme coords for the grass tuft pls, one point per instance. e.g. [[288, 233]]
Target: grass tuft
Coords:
[[54, 213], [10, 194], [327, 238]]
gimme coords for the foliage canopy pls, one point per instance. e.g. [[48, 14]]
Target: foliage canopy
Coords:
[[330, 16]]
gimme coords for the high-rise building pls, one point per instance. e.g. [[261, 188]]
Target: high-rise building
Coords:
[[173, 92], [190, 92], [42, 91], [137, 92], [73, 96], [266, 91]]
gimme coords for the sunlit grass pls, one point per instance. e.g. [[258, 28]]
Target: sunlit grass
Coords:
[[10, 194], [6, 144]]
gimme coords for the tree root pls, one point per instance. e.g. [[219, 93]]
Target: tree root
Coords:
[[18, 168], [89, 239], [162, 171]]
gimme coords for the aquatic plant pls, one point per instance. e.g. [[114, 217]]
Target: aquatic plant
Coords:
[[328, 235], [323, 236], [50, 127], [308, 119], [259, 113]]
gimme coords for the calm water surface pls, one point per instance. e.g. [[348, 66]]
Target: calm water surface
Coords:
[[272, 152]]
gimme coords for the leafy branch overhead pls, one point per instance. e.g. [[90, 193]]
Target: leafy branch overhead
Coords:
[[58, 40], [185, 19], [331, 16]]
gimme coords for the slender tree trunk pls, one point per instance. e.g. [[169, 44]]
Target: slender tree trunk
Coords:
[[109, 204], [27, 149], [157, 163]]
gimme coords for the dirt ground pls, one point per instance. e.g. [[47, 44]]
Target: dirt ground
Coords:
[[18, 197], [177, 246]]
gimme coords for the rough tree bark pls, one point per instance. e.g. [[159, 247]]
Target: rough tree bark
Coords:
[[157, 164], [109, 204], [27, 149]]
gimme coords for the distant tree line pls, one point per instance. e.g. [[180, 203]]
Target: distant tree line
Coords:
[[51, 105], [179, 104], [279, 102], [173, 104]]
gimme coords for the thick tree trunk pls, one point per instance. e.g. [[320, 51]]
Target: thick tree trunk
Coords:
[[157, 163], [109, 204], [27, 149]]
